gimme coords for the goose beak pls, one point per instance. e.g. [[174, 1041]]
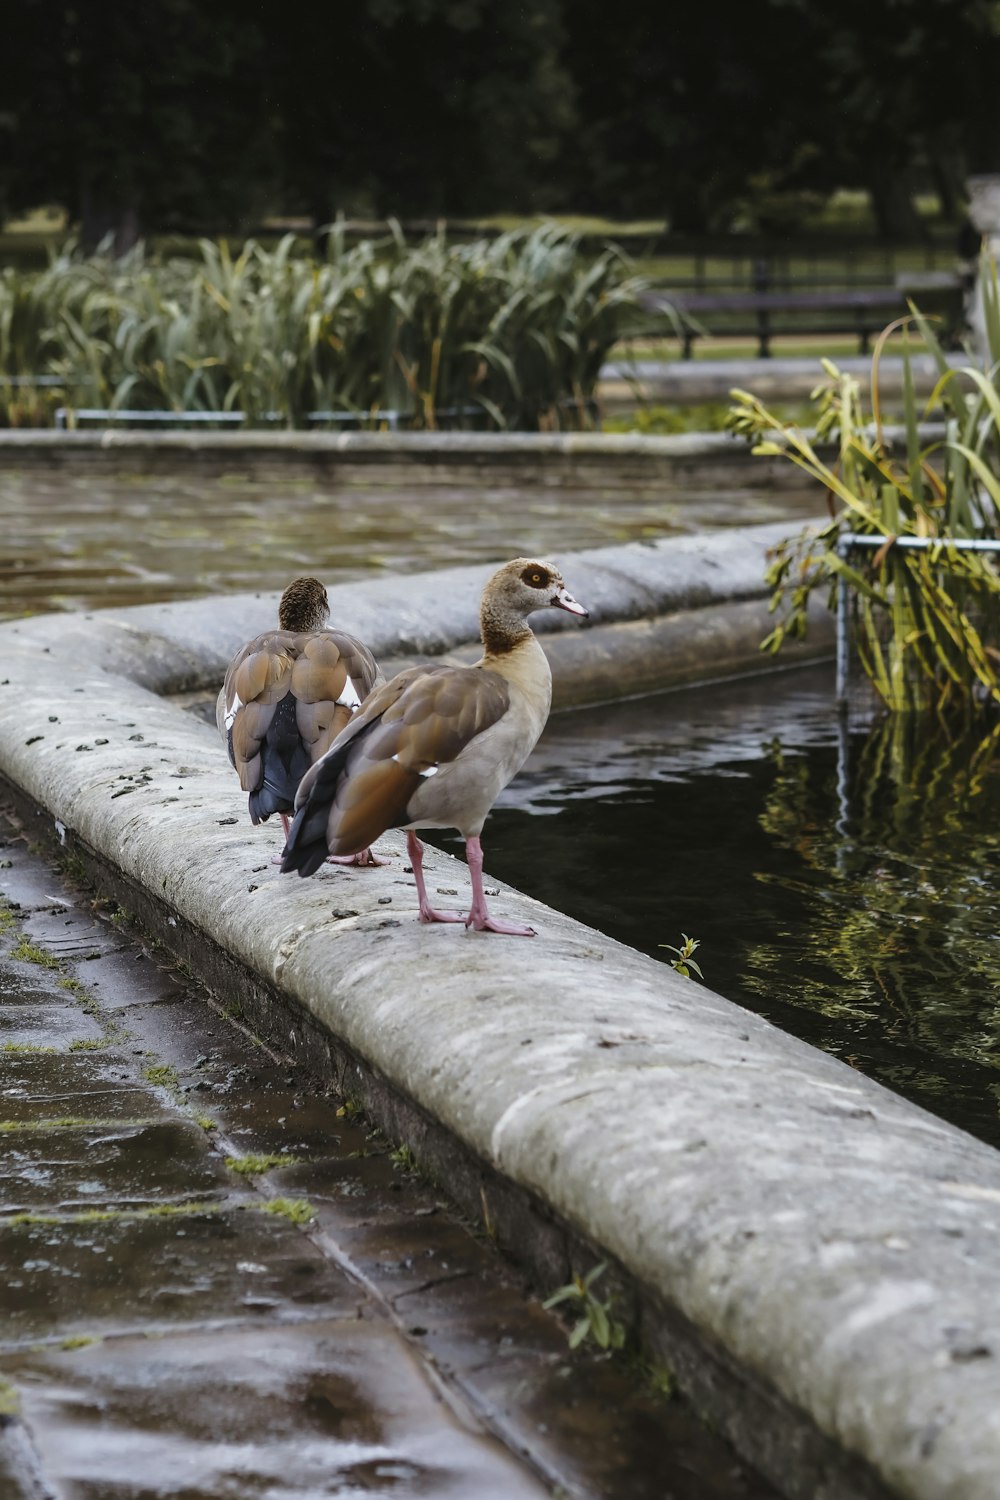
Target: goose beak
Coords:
[[563, 599]]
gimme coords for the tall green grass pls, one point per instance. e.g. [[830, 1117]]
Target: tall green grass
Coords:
[[515, 327]]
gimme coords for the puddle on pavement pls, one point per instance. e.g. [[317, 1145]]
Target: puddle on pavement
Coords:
[[331, 1408], [85, 541], [167, 1335]]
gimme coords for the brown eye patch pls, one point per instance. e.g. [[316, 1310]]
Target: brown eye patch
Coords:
[[536, 578]]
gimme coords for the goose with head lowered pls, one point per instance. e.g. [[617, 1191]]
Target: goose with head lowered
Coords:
[[287, 695], [436, 745]]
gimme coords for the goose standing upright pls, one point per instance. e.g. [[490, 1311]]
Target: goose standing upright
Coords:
[[434, 747], [287, 695]]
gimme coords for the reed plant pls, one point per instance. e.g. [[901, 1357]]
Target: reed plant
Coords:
[[926, 622], [511, 330]]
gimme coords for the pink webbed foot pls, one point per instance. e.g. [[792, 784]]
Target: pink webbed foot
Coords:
[[483, 922], [364, 859]]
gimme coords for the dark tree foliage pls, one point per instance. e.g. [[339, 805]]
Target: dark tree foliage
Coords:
[[136, 116], [421, 107], [210, 113], [681, 106], [902, 87]]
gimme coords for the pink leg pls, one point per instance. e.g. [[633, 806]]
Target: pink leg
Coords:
[[427, 912], [286, 825], [479, 916]]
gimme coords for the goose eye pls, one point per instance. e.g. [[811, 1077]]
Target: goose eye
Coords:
[[535, 578]]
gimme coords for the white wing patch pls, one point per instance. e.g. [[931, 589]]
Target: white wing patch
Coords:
[[349, 697], [233, 710], [430, 771]]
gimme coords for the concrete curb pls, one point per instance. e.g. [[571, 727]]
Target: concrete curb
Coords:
[[814, 1256], [614, 461]]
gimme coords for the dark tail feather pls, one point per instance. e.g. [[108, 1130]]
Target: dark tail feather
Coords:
[[284, 762], [306, 848]]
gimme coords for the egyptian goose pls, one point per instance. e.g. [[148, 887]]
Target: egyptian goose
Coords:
[[434, 747], [287, 695]]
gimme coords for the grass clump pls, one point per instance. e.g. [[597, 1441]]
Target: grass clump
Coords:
[[253, 1166], [31, 953], [296, 1210]]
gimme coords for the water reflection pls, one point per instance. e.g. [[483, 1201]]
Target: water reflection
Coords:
[[845, 889]]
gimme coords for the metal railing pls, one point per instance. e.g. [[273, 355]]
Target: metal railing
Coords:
[[850, 541]]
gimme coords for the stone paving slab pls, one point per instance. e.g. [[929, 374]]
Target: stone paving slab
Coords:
[[84, 1085], [212, 1349], [120, 1164], [27, 1025]]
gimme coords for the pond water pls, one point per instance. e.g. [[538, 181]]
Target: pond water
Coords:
[[87, 539], [843, 886]]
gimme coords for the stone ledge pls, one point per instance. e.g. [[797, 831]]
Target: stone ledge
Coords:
[[814, 1255]]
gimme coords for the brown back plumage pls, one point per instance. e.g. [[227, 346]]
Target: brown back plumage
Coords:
[[287, 695]]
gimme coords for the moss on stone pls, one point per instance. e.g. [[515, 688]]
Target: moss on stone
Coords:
[[297, 1210]]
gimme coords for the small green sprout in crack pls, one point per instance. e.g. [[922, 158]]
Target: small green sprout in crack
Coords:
[[10, 1401], [69, 983], [595, 1319], [403, 1159], [79, 1341], [89, 1044], [28, 1049], [206, 1122], [163, 1076], [351, 1109], [30, 953], [684, 963], [74, 869], [661, 1381], [7, 918], [296, 1210], [253, 1166]]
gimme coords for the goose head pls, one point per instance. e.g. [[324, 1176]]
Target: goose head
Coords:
[[516, 591], [304, 605]]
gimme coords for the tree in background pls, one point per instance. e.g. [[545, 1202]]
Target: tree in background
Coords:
[[179, 114], [137, 116], [901, 89], [421, 107]]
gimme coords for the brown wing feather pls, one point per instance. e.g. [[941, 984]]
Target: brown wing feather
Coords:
[[422, 719], [258, 678]]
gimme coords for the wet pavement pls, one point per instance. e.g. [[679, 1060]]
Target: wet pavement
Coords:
[[219, 1283], [73, 539]]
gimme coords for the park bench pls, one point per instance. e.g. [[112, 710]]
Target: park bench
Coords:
[[762, 315]]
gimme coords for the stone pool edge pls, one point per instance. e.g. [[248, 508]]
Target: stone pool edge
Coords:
[[810, 1253]]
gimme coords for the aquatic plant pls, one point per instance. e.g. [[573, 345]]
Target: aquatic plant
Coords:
[[926, 619], [511, 330], [894, 906]]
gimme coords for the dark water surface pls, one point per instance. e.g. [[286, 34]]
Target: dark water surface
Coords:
[[846, 891]]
